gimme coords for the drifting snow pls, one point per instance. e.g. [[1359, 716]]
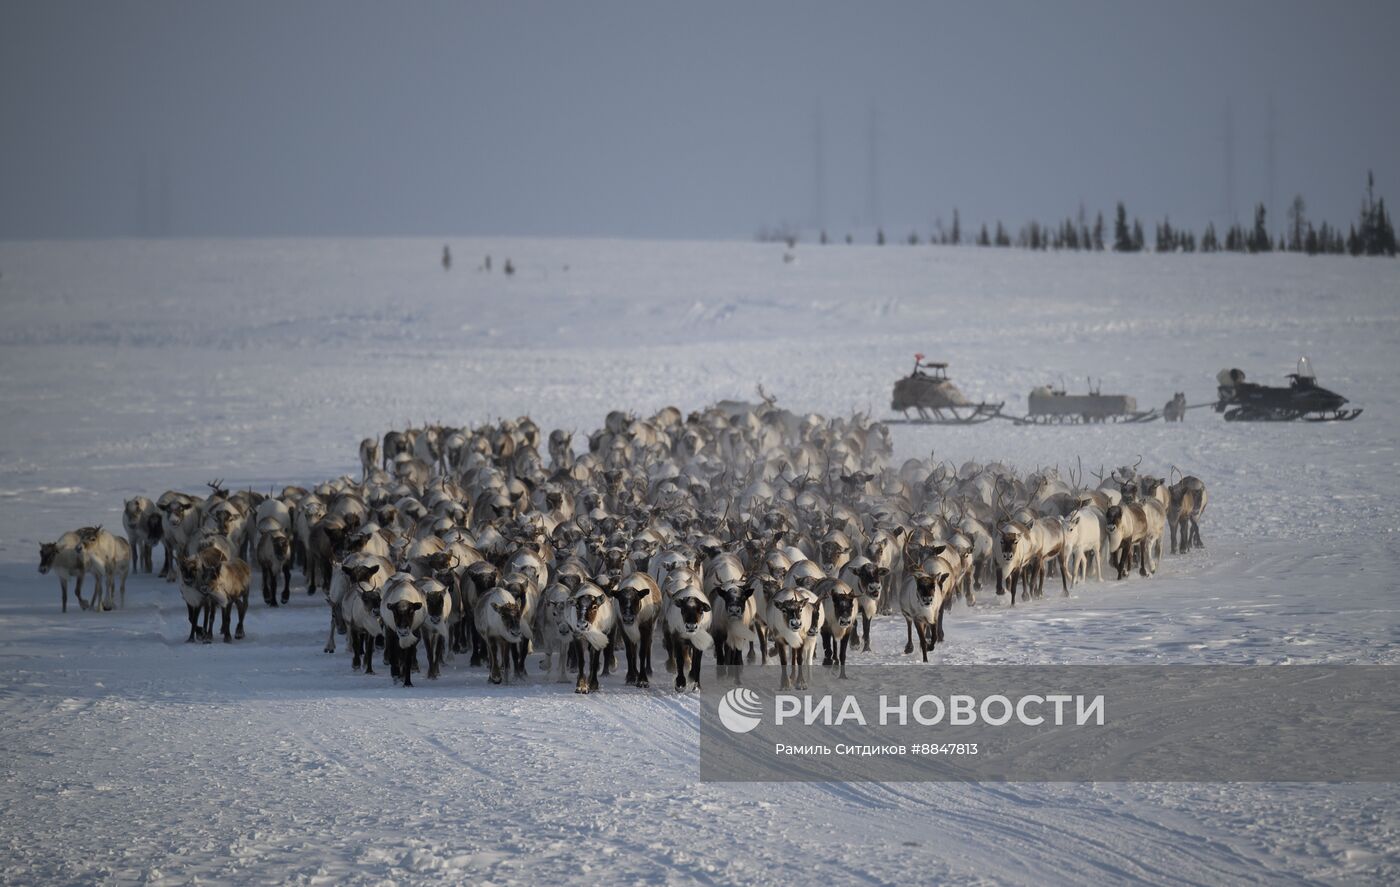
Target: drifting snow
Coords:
[[133, 367]]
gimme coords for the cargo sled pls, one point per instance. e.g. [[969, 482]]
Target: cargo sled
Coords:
[[935, 399], [1052, 406]]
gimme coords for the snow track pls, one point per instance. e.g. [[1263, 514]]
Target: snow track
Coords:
[[133, 367]]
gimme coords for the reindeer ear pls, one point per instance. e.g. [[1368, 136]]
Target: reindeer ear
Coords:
[[415, 606]]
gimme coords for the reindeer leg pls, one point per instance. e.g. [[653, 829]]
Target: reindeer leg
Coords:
[[682, 661], [63, 585], [845, 640], [644, 657], [581, 685], [631, 650], [697, 657], [242, 611], [610, 655], [865, 631], [594, 657]]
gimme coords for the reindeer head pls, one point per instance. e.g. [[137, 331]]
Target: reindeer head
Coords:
[[402, 615], [693, 609], [281, 545], [843, 607], [629, 602], [794, 613], [1011, 534], [47, 552], [360, 575], [189, 572], [586, 608], [370, 599], [927, 585], [735, 598], [1113, 517]]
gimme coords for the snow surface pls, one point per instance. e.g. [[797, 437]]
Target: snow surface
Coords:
[[133, 367]]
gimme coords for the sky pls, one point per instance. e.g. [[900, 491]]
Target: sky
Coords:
[[682, 120]]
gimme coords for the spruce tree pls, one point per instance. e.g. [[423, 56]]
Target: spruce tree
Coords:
[[1259, 240], [982, 238], [956, 236], [1298, 221], [1098, 233], [1139, 242], [1122, 238]]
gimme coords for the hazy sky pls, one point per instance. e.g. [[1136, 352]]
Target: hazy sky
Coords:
[[660, 119]]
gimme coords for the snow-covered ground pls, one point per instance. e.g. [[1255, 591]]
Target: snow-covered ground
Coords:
[[133, 367]]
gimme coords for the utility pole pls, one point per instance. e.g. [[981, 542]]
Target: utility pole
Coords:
[[818, 170], [1230, 218], [1271, 135], [872, 182]]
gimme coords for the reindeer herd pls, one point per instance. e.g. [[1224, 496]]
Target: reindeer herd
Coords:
[[745, 531]]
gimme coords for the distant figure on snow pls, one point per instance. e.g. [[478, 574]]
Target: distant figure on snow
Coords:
[[446, 258], [509, 268]]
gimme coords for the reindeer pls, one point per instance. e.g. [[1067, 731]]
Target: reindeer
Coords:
[[141, 520], [224, 585], [638, 604], [595, 617], [838, 603], [65, 559], [1127, 530], [369, 457], [108, 558], [1186, 503]]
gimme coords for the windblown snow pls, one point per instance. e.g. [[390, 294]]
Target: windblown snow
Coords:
[[133, 367]]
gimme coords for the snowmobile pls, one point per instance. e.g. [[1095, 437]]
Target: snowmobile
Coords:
[[936, 399], [1243, 401]]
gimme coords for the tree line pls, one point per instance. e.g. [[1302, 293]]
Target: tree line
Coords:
[[1371, 235]]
